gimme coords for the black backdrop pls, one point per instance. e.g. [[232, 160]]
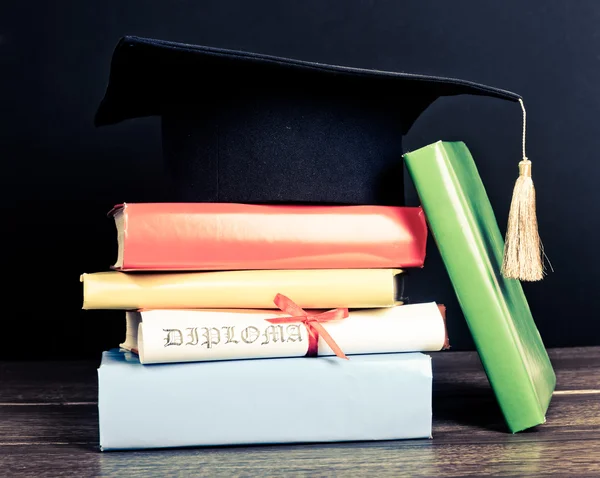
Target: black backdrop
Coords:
[[60, 175]]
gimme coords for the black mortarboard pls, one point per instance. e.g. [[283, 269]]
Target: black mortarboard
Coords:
[[243, 127], [249, 128]]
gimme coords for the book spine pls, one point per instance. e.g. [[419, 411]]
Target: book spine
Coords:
[[311, 289], [193, 336], [239, 236]]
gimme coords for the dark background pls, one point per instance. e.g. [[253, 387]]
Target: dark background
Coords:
[[60, 175]]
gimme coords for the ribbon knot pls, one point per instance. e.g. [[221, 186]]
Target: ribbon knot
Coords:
[[311, 322]]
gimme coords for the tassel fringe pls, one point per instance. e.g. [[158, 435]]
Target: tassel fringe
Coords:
[[523, 254]]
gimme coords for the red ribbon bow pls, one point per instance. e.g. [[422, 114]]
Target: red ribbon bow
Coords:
[[312, 323]]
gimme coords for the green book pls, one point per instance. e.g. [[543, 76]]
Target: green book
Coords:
[[464, 227]]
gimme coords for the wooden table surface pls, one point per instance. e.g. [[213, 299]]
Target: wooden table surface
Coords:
[[49, 427]]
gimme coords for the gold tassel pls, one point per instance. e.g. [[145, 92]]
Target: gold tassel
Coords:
[[523, 254]]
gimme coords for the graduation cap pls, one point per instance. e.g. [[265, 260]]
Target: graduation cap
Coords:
[[251, 128]]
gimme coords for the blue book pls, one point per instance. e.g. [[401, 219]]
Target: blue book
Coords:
[[284, 400]]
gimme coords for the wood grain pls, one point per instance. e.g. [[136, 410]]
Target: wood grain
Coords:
[[562, 458], [49, 427]]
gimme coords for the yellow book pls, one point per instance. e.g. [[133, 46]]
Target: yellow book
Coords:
[[256, 289]]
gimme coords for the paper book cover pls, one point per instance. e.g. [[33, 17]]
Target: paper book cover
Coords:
[[286, 400], [464, 227], [310, 289], [219, 236], [170, 336]]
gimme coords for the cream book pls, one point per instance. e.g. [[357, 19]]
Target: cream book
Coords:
[[311, 289], [167, 336]]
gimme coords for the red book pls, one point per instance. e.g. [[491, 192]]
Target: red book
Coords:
[[223, 236]]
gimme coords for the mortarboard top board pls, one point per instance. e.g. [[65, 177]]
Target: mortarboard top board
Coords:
[[250, 128]]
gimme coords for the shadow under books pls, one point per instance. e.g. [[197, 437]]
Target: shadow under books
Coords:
[[467, 404]]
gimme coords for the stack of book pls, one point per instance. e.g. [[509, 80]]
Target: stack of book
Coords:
[[314, 292], [179, 378]]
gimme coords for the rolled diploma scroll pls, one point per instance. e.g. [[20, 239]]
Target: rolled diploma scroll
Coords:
[[166, 336]]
